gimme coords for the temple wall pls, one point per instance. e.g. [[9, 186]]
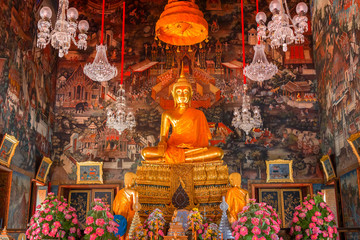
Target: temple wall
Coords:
[[291, 127], [26, 100], [336, 32]]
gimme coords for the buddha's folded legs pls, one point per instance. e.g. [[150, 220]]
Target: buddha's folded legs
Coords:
[[206, 155]]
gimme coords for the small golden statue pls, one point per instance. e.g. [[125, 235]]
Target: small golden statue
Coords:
[[189, 140], [236, 197], [126, 200]]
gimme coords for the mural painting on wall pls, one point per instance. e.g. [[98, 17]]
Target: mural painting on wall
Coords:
[[288, 102], [336, 27], [26, 103], [350, 201]]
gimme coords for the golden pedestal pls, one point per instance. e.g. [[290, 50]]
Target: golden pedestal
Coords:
[[204, 184]]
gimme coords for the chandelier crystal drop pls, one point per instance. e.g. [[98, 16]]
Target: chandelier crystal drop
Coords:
[[100, 69], [243, 120], [64, 31], [260, 69], [117, 116], [282, 29]]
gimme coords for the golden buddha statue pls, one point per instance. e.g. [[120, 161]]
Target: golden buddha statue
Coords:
[[189, 140], [236, 197], [125, 200]]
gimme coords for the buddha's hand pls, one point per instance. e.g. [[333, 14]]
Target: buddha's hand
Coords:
[[162, 148]]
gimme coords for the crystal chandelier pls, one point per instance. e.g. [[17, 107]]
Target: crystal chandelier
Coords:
[[100, 69], [260, 69], [64, 31], [282, 29], [244, 120], [117, 118]]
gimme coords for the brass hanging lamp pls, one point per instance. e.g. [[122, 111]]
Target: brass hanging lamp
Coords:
[[181, 23]]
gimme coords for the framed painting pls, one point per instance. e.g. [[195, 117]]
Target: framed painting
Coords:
[[7, 149], [19, 202], [106, 195], [354, 141], [290, 198], [279, 171], [80, 200], [328, 168], [43, 169], [89, 172]]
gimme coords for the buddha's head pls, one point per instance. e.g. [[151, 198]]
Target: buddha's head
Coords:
[[235, 179], [129, 179], [182, 91]]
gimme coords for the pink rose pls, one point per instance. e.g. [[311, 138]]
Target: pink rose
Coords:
[[109, 215], [322, 205], [68, 217], [255, 221], [47, 210], [243, 231], [256, 230], [314, 219], [307, 232], [243, 219], [57, 224], [260, 212], [237, 236], [299, 237], [309, 206], [314, 236], [262, 238], [100, 222], [75, 221], [267, 231], [274, 236], [317, 213], [88, 230], [312, 225], [330, 230], [312, 201], [295, 219], [45, 231], [302, 215], [89, 220], [61, 208], [73, 230], [97, 208], [297, 228], [49, 218], [325, 234], [199, 231], [99, 231], [93, 236], [320, 222], [71, 238], [255, 237]]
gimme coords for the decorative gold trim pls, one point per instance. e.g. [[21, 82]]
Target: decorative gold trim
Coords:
[[350, 140], [11, 152], [328, 177], [47, 160], [89, 163], [279, 161]]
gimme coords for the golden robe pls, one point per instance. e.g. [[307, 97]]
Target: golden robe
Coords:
[[236, 199], [123, 205], [191, 131]]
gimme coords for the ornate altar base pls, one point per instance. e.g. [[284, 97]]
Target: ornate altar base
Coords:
[[182, 186]]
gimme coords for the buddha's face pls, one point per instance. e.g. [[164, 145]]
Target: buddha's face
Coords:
[[182, 95]]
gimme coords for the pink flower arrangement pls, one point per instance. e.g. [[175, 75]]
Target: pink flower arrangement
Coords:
[[100, 224], [257, 221], [155, 224], [53, 219], [313, 219]]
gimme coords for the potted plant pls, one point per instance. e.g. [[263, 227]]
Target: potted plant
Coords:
[[140, 233], [257, 221], [54, 219], [100, 224], [313, 219], [155, 224], [195, 222]]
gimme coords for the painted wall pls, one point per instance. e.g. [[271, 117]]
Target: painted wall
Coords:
[[336, 33], [288, 102], [26, 102]]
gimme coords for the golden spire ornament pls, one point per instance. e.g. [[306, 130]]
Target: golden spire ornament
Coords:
[[181, 23]]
